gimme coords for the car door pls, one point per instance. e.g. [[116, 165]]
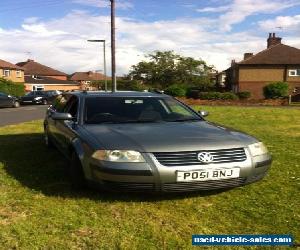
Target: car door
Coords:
[[57, 106], [65, 129], [28, 98], [5, 100]]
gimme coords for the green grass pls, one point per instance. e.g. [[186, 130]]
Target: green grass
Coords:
[[38, 209]]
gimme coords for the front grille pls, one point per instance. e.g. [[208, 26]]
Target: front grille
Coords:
[[203, 185], [187, 158], [129, 186]]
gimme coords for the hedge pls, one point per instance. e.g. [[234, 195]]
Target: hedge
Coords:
[[276, 90], [217, 96], [11, 88]]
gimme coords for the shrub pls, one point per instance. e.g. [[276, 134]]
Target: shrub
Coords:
[[276, 90], [176, 90], [228, 96], [217, 96], [244, 95], [11, 88], [192, 93]]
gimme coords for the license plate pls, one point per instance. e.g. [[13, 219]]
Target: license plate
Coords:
[[208, 174]]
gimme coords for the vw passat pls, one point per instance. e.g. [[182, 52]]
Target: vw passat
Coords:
[[142, 141]]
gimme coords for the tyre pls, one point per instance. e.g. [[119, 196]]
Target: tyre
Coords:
[[16, 104], [48, 142], [44, 102], [76, 173]]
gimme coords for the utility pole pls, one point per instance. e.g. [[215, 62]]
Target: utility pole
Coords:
[[104, 59], [113, 47], [104, 62]]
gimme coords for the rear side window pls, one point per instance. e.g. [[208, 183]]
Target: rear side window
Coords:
[[72, 106]]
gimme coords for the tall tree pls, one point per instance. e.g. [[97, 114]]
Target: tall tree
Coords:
[[164, 68]]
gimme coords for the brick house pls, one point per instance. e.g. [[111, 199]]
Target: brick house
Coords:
[[11, 71], [279, 62], [41, 77], [86, 78]]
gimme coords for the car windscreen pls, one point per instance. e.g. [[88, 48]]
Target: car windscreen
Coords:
[[136, 109]]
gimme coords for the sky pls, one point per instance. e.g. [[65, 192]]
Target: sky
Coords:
[[55, 32]]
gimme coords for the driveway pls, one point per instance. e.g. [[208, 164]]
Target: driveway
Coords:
[[23, 114]]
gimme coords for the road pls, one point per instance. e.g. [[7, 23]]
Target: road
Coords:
[[23, 114]]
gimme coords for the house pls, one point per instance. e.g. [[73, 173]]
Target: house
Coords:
[[278, 62], [221, 79], [86, 78], [11, 71], [42, 77], [34, 68]]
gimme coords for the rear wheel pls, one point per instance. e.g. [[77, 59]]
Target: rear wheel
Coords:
[[16, 104], [76, 173]]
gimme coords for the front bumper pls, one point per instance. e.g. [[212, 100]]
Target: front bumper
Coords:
[[154, 177]]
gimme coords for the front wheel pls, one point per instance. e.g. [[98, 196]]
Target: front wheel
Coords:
[[44, 102], [76, 173], [16, 104]]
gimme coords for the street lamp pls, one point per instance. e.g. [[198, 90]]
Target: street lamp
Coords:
[[104, 59]]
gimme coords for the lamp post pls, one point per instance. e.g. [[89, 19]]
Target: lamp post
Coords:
[[104, 59]]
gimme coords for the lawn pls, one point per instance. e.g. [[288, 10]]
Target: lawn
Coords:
[[38, 209]]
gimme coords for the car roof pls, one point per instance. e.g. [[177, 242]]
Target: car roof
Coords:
[[117, 94]]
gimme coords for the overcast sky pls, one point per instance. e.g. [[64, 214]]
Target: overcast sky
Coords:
[[54, 32]]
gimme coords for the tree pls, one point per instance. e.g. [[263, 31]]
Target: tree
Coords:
[[165, 68]]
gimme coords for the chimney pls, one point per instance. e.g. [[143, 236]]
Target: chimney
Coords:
[[247, 55], [273, 40], [232, 62], [30, 60]]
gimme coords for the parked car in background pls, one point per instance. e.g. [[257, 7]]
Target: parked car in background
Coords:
[[40, 97], [9, 101], [142, 141]]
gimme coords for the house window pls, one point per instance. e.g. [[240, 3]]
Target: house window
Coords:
[[6, 73], [294, 72], [37, 87], [19, 73]]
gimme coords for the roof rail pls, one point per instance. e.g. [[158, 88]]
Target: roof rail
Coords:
[[157, 91]]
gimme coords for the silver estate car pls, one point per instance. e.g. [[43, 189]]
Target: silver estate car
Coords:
[[149, 142]]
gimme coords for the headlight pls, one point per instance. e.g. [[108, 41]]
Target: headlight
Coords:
[[258, 149], [37, 98], [118, 156]]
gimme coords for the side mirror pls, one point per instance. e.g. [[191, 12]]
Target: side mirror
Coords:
[[203, 113], [62, 116]]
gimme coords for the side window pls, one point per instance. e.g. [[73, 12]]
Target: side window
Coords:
[[178, 109], [60, 102], [72, 106]]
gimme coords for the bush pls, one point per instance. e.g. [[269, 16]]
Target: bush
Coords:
[[276, 90], [176, 90], [228, 96], [11, 88], [244, 95], [217, 96], [192, 93]]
